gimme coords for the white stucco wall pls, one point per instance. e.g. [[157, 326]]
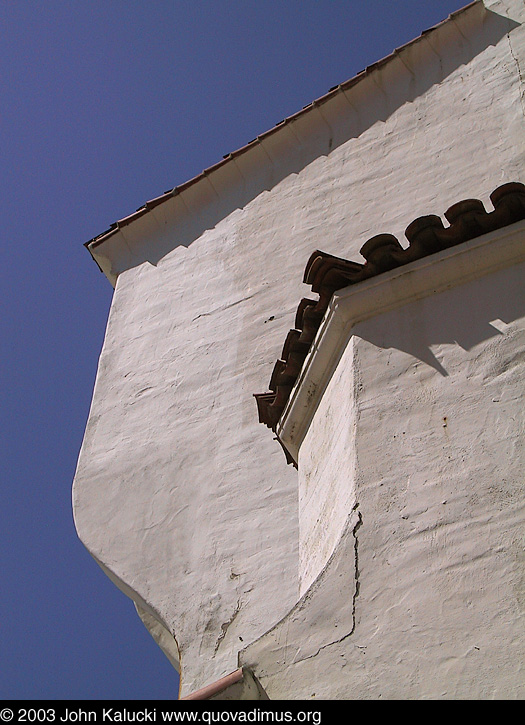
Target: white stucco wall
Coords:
[[180, 493], [435, 471], [327, 471]]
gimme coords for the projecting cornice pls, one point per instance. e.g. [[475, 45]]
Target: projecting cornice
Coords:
[[387, 263]]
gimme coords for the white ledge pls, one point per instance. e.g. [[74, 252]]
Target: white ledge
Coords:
[[351, 305]]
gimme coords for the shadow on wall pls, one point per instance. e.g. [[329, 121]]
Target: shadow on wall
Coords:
[[344, 113], [494, 302]]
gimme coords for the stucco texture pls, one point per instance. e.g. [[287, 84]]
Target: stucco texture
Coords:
[[183, 497], [427, 575]]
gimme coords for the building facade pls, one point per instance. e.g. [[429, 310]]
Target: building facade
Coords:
[[382, 556]]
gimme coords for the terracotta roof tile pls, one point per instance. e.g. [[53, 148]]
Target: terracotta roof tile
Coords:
[[326, 274]]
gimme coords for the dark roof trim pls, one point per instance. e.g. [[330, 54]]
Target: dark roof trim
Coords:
[[114, 228], [327, 274]]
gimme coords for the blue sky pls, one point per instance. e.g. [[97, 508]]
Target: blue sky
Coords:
[[104, 105]]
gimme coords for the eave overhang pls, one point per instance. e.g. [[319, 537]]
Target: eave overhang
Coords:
[[112, 250]]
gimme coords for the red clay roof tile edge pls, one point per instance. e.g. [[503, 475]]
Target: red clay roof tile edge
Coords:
[[326, 274]]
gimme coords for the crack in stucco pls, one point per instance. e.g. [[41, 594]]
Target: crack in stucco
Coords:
[[356, 528], [358, 525], [228, 306], [225, 625], [520, 76]]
